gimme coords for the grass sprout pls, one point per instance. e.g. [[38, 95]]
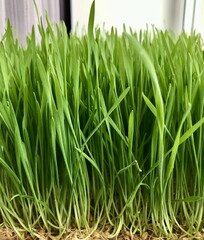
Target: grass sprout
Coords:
[[103, 129]]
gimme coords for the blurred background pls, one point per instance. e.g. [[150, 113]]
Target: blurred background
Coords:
[[174, 15]]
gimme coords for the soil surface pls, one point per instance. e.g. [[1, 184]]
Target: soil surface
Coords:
[[7, 234]]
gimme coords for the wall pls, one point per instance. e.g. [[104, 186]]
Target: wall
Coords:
[[173, 15], [164, 14]]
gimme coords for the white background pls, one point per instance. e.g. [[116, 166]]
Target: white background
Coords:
[[163, 14]]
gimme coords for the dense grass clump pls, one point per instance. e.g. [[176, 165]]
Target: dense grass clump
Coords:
[[103, 129]]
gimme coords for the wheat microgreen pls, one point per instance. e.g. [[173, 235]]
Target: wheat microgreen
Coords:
[[102, 129]]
